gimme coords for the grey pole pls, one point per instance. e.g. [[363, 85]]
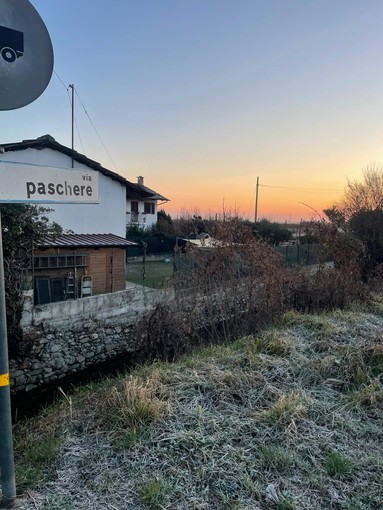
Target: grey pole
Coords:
[[256, 202], [7, 467], [72, 87]]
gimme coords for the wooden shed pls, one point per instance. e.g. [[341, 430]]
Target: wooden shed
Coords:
[[73, 266]]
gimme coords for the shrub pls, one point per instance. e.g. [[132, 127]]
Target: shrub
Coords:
[[322, 289], [152, 494], [337, 464], [237, 285]]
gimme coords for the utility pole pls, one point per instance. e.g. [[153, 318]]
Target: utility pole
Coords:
[[72, 87], [256, 202], [7, 466]]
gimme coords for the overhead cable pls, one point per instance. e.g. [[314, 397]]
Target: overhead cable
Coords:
[[314, 190], [97, 133]]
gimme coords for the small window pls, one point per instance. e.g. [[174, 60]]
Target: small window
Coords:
[[61, 261], [134, 207], [52, 261], [44, 262], [148, 208], [80, 260]]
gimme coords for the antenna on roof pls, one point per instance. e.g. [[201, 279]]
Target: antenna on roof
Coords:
[[72, 87]]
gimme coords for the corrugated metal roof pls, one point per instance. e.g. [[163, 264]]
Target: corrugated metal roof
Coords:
[[83, 240]]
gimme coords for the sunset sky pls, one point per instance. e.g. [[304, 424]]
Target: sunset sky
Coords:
[[202, 96]]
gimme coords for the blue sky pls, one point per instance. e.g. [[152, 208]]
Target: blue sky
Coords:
[[203, 96]]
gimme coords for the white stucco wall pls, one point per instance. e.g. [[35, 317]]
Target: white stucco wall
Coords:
[[144, 220], [109, 216]]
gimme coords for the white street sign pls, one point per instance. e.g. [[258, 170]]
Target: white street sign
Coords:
[[21, 183]]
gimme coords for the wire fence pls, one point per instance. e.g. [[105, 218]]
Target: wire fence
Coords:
[[300, 254], [156, 269]]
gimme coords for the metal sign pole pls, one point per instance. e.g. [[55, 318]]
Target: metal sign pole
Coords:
[[7, 467], [29, 45]]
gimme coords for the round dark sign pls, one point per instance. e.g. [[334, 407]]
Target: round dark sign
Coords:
[[26, 54]]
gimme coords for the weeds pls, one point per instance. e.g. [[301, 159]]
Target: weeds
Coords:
[[36, 461], [367, 395], [57, 503], [287, 408], [38, 443], [286, 504], [337, 464], [133, 404], [274, 344], [275, 458], [152, 494]]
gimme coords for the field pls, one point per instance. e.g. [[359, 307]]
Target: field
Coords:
[[290, 418], [157, 270]]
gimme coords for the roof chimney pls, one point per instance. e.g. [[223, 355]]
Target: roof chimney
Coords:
[[140, 180]]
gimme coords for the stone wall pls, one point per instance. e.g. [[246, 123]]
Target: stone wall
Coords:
[[66, 337]]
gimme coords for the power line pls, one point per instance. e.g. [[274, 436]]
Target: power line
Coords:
[[97, 133], [60, 80], [317, 190]]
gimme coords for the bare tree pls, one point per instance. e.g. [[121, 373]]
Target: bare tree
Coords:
[[366, 195], [359, 214]]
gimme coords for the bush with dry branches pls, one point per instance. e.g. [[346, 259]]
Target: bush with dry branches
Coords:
[[236, 284]]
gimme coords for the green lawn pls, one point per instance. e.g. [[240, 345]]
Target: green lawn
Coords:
[[157, 271]]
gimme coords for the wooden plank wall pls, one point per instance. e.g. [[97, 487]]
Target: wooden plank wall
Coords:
[[105, 265]]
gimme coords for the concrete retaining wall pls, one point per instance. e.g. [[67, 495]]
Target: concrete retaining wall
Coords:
[[102, 306]]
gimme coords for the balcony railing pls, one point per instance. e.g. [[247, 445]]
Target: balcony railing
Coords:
[[134, 217]]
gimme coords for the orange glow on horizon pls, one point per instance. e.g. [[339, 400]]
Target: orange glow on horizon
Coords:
[[283, 195], [273, 203]]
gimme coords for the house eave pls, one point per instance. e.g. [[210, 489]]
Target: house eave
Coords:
[[48, 142]]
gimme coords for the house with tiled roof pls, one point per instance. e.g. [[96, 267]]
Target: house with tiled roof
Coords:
[[141, 204], [90, 257]]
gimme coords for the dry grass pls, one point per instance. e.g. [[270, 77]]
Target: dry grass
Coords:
[[291, 418], [132, 404]]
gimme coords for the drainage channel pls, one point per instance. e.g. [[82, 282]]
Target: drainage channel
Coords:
[[28, 404]]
